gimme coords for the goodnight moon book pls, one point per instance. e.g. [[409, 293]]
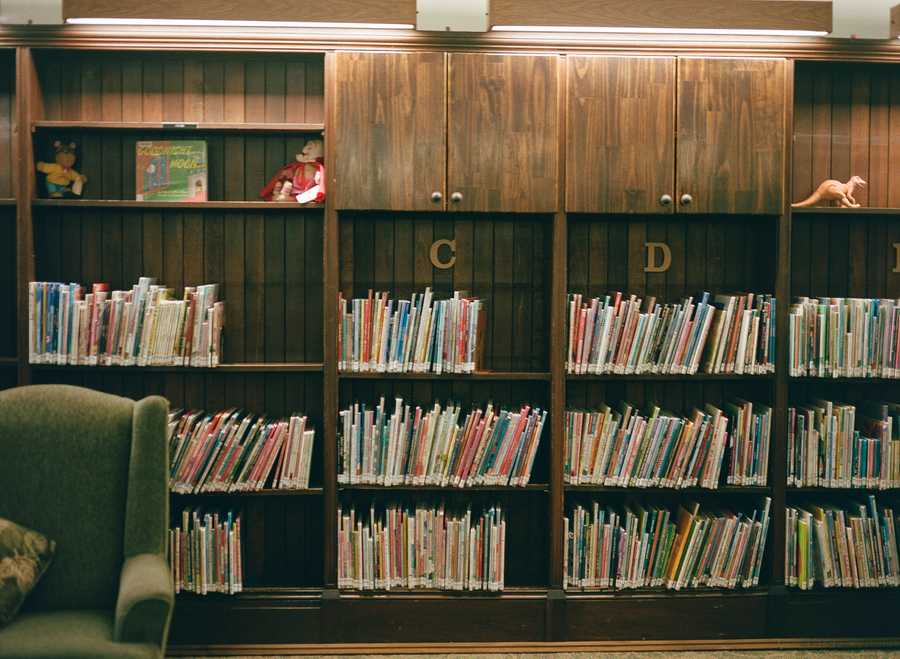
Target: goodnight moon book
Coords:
[[171, 170]]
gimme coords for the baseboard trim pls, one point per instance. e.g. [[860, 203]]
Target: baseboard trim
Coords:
[[537, 647]]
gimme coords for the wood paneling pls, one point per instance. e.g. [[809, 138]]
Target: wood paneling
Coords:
[[835, 258], [620, 147], [503, 130], [190, 87], [267, 263], [7, 120], [731, 124], [847, 123], [8, 284], [390, 130], [502, 259], [341, 11], [748, 14], [720, 254]]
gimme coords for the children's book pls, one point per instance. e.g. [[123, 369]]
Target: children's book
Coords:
[[171, 170]]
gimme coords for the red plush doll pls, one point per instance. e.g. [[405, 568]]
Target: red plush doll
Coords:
[[303, 180]]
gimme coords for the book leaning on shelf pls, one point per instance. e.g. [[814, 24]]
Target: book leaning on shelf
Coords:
[[235, 451], [830, 445], [832, 547], [205, 553], [638, 547], [421, 547], [845, 338], [145, 326], [627, 447], [415, 446], [629, 335], [419, 335]]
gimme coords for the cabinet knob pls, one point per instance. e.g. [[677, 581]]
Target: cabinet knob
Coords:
[[436, 197], [456, 197], [665, 200], [686, 200]]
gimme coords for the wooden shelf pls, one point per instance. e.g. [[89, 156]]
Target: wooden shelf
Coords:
[[359, 487], [180, 127], [478, 375], [834, 210], [310, 492], [808, 379], [195, 205], [5, 201], [659, 592], [697, 377], [691, 491], [839, 490], [519, 592], [250, 367]]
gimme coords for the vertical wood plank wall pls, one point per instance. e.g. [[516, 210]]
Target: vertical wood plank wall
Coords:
[[7, 219]]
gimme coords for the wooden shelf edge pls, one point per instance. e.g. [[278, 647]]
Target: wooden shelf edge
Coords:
[[9, 361], [732, 489], [840, 490], [6, 201], [833, 210], [310, 492], [698, 377], [810, 378], [531, 487], [478, 375], [194, 205], [663, 593], [250, 367], [179, 126]]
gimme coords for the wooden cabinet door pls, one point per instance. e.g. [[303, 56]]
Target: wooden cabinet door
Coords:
[[503, 142], [731, 116], [620, 142], [390, 132]]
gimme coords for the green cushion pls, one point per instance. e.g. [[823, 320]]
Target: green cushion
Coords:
[[68, 635], [66, 454], [24, 557]]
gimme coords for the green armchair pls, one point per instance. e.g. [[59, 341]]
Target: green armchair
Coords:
[[89, 470]]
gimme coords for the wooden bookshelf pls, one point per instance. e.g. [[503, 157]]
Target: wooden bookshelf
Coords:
[[282, 265]]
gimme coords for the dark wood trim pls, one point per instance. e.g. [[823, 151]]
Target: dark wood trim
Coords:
[[311, 492], [699, 645], [26, 98], [193, 205], [478, 375], [697, 377], [321, 40], [740, 490], [531, 487], [173, 126], [250, 367]]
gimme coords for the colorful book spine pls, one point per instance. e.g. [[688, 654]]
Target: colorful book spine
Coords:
[[205, 553]]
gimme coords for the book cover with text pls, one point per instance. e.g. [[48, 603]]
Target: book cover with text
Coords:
[[171, 170]]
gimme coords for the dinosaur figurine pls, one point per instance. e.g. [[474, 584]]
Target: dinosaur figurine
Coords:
[[832, 190]]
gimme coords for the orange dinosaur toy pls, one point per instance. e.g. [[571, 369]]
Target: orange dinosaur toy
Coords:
[[832, 190]]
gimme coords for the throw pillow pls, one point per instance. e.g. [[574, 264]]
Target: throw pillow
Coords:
[[25, 556]]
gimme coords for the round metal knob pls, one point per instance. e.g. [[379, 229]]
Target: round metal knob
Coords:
[[686, 199], [665, 200], [436, 197], [456, 197]]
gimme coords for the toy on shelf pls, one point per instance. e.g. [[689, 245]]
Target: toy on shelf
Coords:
[[832, 190], [62, 181], [303, 180]]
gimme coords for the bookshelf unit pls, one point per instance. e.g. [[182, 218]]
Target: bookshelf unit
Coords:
[[282, 265]]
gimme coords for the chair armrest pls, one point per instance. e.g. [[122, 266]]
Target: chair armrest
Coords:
[[146, 599]]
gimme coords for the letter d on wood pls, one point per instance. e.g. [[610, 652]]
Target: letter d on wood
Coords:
[[653, 264]]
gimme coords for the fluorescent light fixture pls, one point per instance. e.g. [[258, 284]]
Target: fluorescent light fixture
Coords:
[[192, 22], [659, 30]]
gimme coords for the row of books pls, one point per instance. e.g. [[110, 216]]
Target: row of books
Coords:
[[628, 447], [237, 451], [205, 553], [421, 547], [832, 547], [419, 335], [626, 335], [416, 446], [845, 337], [638, 547], [69, 324], [830, 445]]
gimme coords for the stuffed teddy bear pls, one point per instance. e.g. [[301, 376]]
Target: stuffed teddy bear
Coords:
[[303, 180], [62, 180]]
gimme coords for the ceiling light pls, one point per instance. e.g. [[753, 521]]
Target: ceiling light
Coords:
[[191, 22], [660, 30]]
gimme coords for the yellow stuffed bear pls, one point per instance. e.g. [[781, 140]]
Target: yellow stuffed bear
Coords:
[[62, 179]]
